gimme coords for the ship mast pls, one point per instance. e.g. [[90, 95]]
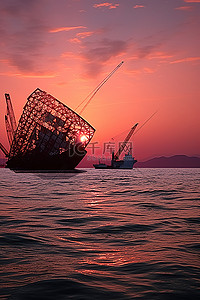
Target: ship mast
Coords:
[[123, 145]]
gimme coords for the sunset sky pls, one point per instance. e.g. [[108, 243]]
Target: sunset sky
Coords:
[[67, 47]]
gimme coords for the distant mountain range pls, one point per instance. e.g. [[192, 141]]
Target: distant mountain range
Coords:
[[176, 161]]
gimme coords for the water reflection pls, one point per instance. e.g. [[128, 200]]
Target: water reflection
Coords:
[[52, 174], [122, 235]]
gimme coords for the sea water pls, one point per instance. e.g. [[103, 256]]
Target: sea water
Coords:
[[101, 234]]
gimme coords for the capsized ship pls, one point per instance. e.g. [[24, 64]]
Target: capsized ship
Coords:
[[127, 162], [49, 135]]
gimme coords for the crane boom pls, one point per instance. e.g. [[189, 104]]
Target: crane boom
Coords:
[[123, 145], [4, 149], [9, 130], [93, 93], [10, 114]]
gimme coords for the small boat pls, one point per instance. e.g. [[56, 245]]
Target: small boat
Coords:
[[128, 160], [127, 163]]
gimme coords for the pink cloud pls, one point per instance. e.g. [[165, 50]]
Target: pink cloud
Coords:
[[96, 57], [186, 59], [72, 55], [60, 29], [138, 6], [85, 34], [106, 4], [75, 41], [184, 8], [114, 6], [45, 75], [160, 55], [149, 70], [149, 49], [137, 72], [192, 1], [29, 75]]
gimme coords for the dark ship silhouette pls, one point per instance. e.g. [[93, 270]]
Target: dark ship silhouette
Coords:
[[49, 135]]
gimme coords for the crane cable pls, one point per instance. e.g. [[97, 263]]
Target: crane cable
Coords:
[[93, 93]]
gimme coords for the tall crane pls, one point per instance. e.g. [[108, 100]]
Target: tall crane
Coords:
[[10, 122], [9, 130], [123, 145], [10, 115], [4, 149]]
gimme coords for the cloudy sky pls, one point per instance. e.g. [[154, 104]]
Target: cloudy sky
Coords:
[[66, 47]]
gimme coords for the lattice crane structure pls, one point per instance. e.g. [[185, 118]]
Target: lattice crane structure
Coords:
[[49, 135]]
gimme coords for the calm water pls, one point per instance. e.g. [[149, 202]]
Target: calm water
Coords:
[[103, 234]]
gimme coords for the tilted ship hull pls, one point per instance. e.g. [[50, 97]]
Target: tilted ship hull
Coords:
[[40, 161], [49, 136]]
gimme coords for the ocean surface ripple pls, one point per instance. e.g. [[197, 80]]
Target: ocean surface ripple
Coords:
[[101, 234]]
